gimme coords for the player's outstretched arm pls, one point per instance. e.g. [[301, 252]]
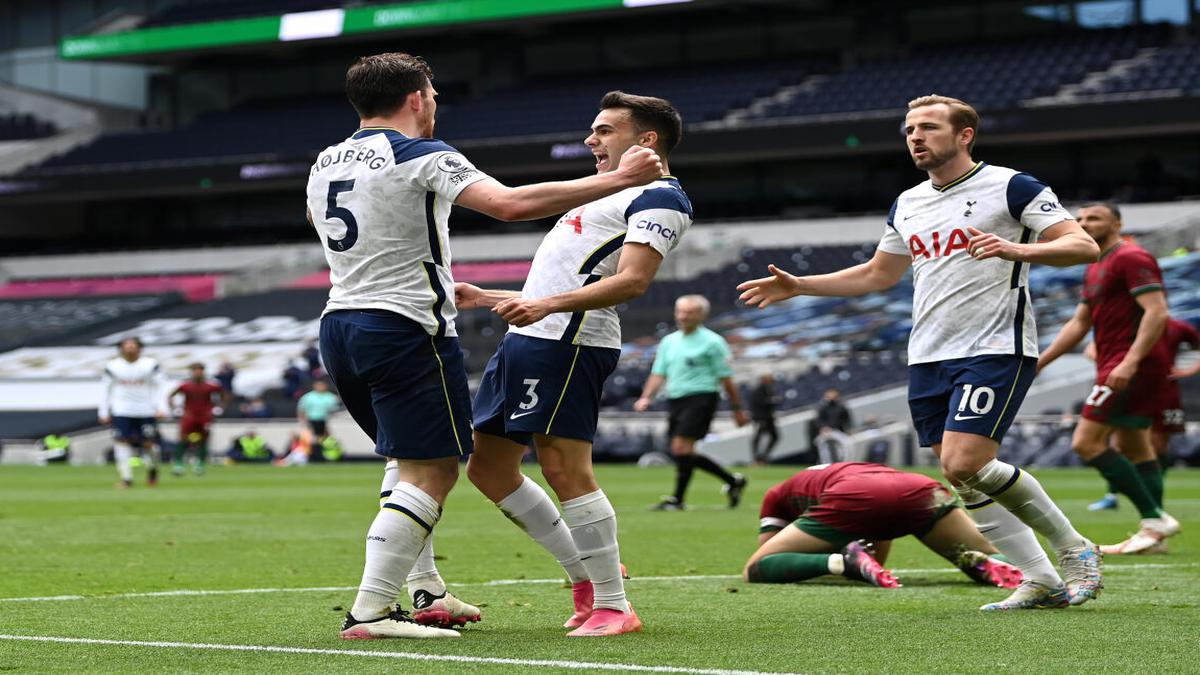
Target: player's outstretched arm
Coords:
[[635, 270], [639, 165], [1062, 245], [469, 296], [881, 272], [1072, 332]]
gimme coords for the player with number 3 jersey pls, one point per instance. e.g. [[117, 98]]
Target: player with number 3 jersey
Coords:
[[969, 234], [544, 382]]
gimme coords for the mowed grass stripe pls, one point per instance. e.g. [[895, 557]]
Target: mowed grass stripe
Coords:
[[528, 663], [184, 592]]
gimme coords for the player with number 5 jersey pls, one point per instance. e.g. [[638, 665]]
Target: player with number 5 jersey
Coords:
[[544, 382], [969, 234], [380, 201], [1125, 304]]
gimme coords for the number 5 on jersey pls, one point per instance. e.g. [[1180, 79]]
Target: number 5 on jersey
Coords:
[[341, 213]]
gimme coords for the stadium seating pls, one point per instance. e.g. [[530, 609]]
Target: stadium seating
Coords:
[[990, 76], [250, 130], [1175, 67]]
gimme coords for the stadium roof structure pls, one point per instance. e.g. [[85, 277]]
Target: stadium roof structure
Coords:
[[327, 25]]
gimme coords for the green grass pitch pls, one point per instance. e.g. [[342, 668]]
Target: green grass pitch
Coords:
[[66, 532]]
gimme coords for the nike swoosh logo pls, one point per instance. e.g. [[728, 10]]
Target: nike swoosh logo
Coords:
[[516, 415], [912, 216], [960, 418]]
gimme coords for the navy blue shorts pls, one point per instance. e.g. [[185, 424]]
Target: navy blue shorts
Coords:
[[976, 395], [539, 386], [135, 430], [406, 388]]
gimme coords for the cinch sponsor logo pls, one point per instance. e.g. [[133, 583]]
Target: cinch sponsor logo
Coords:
[[957, 241], [651, 226]]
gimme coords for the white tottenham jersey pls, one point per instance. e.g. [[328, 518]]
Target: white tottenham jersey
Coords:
[[135, 389], [380, 202], [585, 246], [964, 307]]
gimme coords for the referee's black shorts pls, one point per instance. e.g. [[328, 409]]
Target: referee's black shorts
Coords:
[[690, 416]]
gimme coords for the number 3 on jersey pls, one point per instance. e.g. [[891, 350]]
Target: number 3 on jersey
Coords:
[[343, 214]]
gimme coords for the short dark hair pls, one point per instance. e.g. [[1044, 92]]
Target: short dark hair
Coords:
[[377, 85], [195, 365], [1113, 208], [649, 114], [962, 115], [135, 338]]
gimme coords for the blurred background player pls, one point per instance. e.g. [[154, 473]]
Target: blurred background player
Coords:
[[380, 202], [133, 399], [973, 348], [201, 398], [1170, 418], [543, 385], [1124, 304], [313, 410], [831, 507], [763, 400], [694, 363], [831, 415]]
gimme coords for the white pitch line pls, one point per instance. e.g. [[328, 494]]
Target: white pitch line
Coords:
[[536, 663], [506, 582]]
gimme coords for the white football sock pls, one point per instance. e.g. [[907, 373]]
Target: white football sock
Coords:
[[593, 524], [533, 511], [395, 539], [391, 476], [1013, 538], [424, 575], [1023, 495], [122, 454]]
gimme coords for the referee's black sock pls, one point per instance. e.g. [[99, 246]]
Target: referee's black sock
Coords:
[[683, 475], [705, 464]]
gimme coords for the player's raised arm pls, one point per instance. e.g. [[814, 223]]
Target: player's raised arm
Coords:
[[639, 165], [1072, 332], [881, 272]]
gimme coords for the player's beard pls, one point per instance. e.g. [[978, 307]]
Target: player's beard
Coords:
[[934, 160]]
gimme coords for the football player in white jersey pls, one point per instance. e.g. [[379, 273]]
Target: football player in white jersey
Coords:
[[973, 347], [133, 399], [380, 201], [545, 381]]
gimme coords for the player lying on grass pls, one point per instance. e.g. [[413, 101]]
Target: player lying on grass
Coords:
[[838, 509]]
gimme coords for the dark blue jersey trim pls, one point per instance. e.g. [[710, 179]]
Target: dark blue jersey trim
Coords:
[[1022, 189]]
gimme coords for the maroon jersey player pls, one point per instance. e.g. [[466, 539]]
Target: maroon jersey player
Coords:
[[201, 397], [840, 519], [1125, 305]]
